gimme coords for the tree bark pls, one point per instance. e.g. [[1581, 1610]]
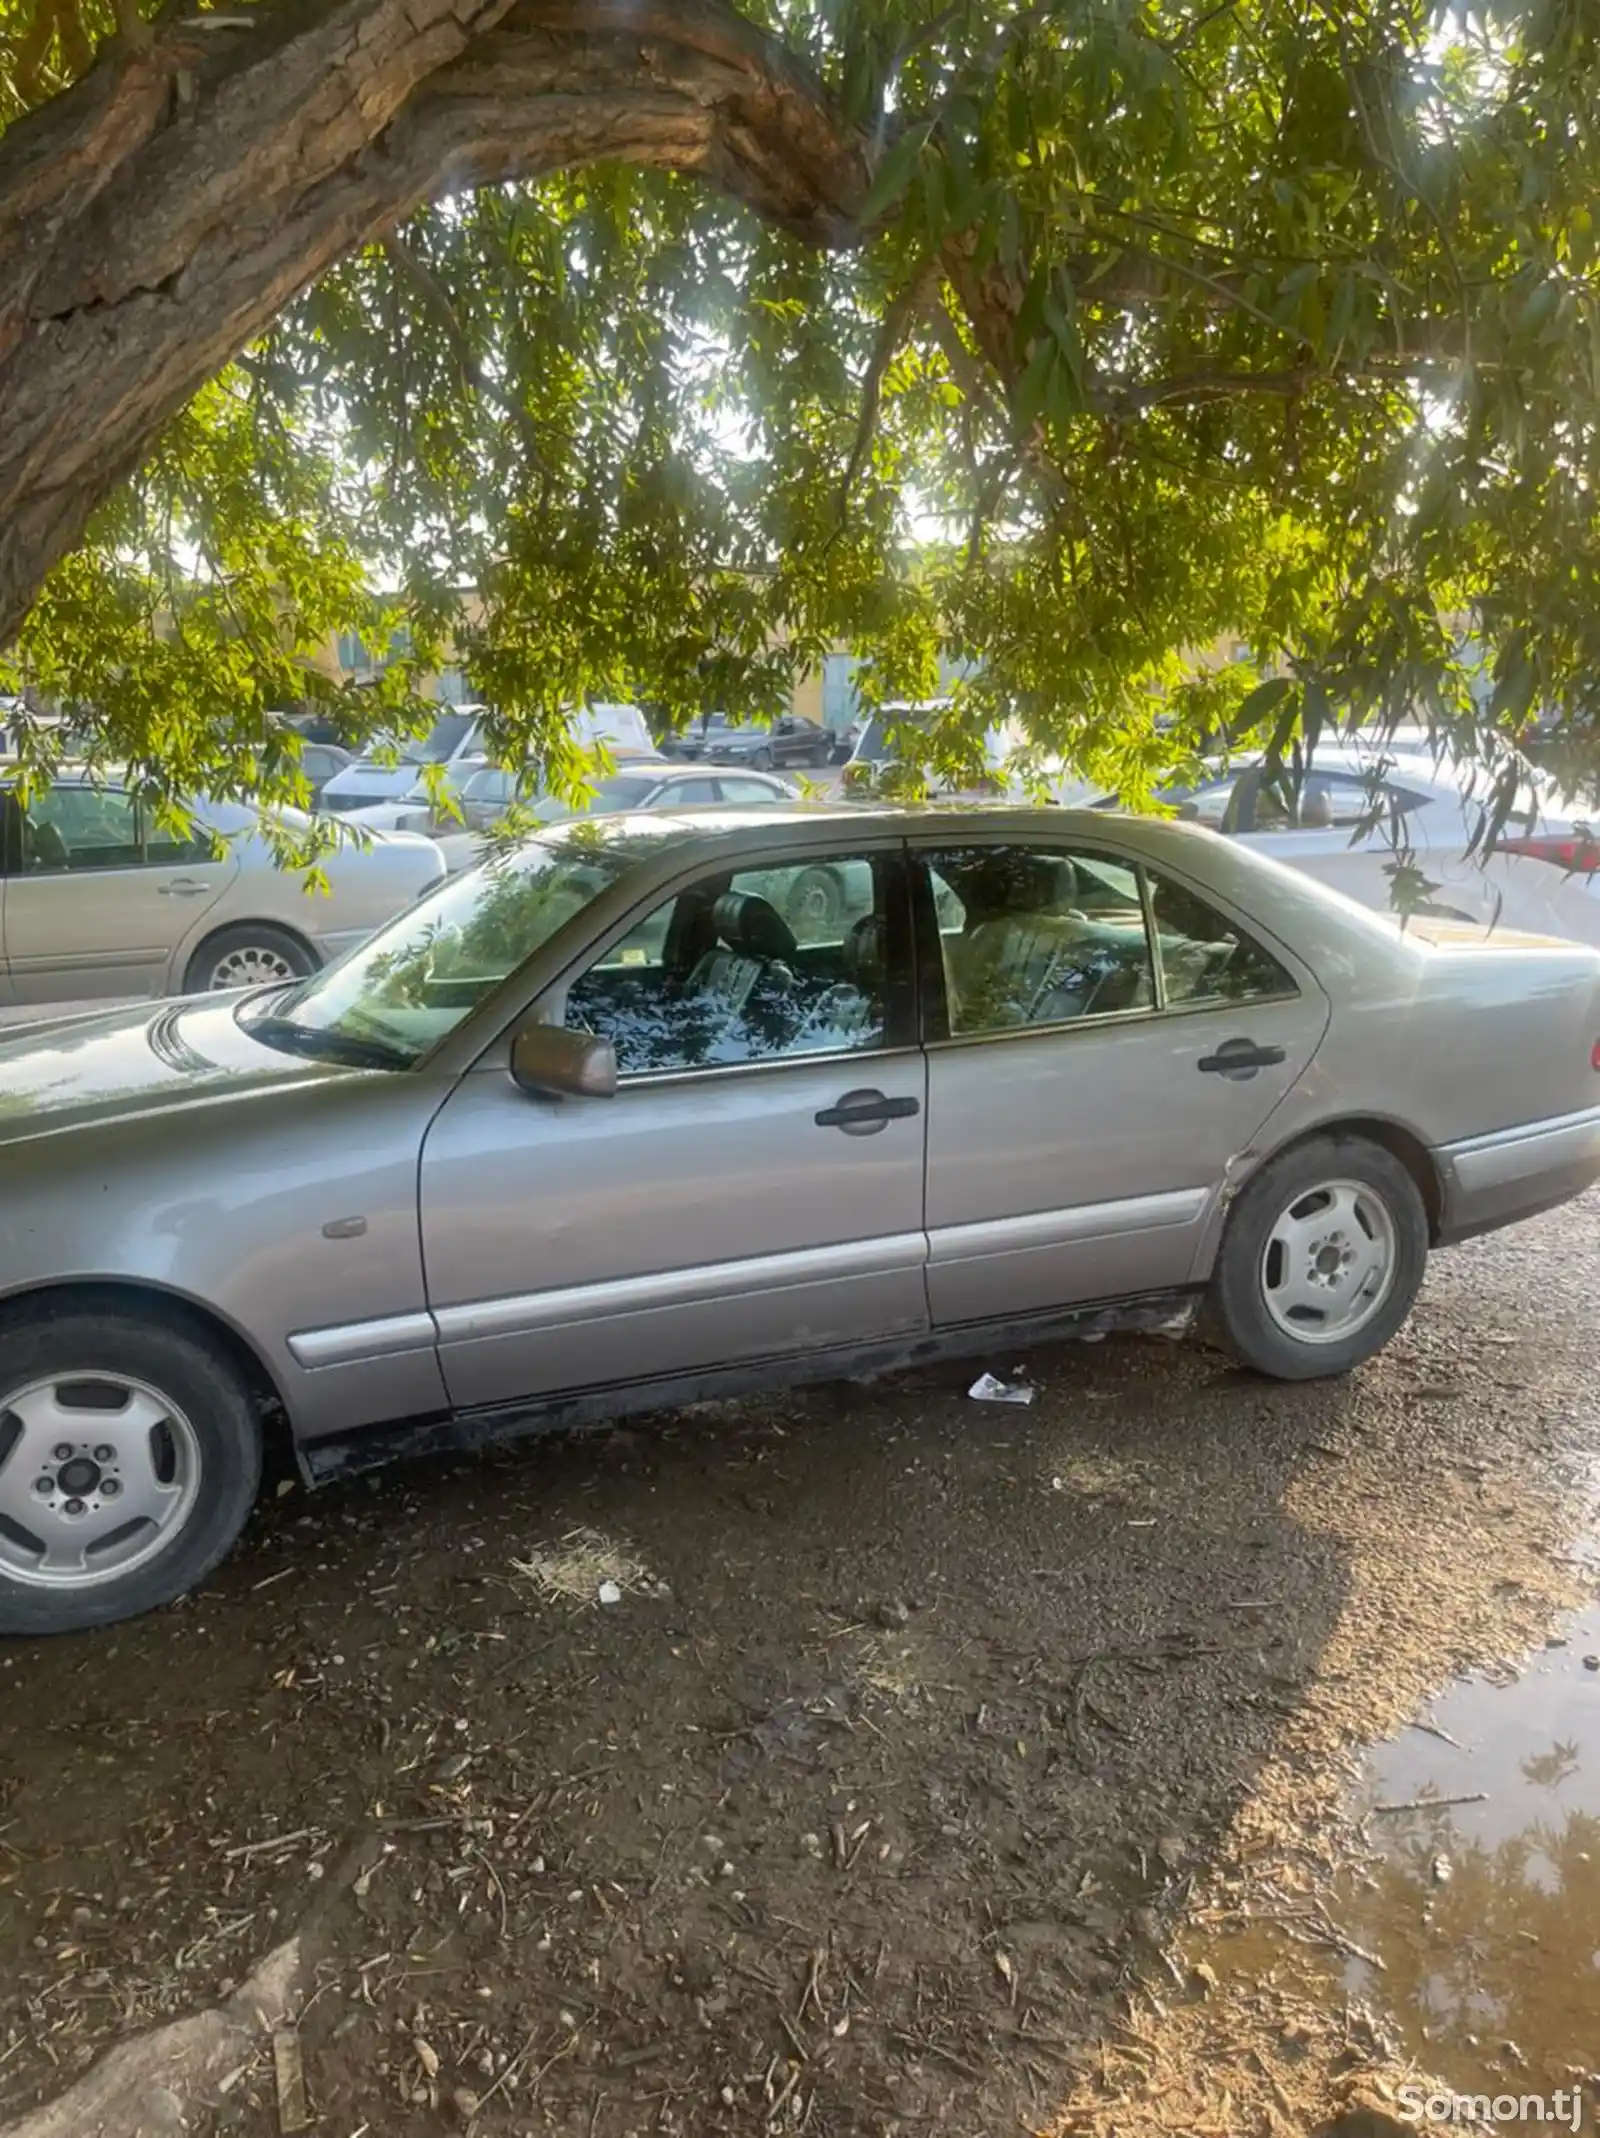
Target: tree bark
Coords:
[[157, 216]]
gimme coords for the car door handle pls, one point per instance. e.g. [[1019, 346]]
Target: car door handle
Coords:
[[866, 1113], [182, 887], [1240, 1058]]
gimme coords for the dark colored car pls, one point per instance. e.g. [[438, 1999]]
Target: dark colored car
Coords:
[[792, 739]]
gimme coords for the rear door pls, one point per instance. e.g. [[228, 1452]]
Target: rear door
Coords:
[[101, 897], [753, 1190], [1109, 1042]]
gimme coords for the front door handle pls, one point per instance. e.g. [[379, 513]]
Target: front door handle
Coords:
[[1239, 1059], [866, 1113], [182, 887]]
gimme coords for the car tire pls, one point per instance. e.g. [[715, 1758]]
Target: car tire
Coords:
[[182, 1452], [250, 954], [814, 907], [762, 759], [1321, 1261]]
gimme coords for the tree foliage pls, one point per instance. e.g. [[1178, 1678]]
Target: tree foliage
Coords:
[[1107, 329]]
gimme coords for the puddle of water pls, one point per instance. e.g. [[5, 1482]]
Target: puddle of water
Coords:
[[1484, 1916]]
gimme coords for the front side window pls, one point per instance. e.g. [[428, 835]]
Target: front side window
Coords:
[[756, 965], [1033, 936], [415, 981], [746, 791]]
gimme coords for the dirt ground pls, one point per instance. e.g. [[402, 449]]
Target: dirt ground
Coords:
[[922, 1736]]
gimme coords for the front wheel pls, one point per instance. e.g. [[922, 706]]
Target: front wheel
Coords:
[[130, 1455], [1322, 1259], [253, 954]]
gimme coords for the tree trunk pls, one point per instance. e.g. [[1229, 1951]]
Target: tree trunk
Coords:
[[160, 214]]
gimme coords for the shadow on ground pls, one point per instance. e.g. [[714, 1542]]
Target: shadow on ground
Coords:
[[853, 1815]]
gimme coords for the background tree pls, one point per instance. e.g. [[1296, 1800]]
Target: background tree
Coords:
[[1064, 336]]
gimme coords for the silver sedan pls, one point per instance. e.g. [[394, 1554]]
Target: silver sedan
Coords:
[[97, 899], [596, 1129]]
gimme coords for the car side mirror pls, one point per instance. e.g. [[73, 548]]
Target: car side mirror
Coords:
[[550, 1061]]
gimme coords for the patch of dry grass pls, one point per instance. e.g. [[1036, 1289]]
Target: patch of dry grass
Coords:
[[574, 1569]]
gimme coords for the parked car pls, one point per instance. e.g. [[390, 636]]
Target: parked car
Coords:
[[489, 795], [592, 1129], [1009, 768], [458, 742], [1362, 810], [791, 739], [96, 900], [321, 762]]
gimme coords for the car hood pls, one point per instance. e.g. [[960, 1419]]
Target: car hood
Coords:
[[86, 1070]]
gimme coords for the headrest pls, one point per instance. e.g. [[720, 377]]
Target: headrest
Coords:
[[755, 927]]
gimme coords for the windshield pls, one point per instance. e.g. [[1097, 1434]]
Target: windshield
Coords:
[[441, 742], [416, 980]]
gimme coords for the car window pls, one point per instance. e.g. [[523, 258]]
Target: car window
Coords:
[[681, 793], [1206, 957], [1208, 805], [413, 982], [749, 790], [754, 966], [1327, 801], [79, 828], [624, 790], [447, 738], [1034, 935], [490, 785]]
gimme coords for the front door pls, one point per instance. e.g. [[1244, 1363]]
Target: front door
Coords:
[[98, 897], [755, 1187], [1110, 1042]]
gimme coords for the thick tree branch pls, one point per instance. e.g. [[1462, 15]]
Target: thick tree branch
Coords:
[[145, 237]]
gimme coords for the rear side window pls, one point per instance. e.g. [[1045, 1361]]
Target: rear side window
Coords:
[[1032, 937], [1206, 957]]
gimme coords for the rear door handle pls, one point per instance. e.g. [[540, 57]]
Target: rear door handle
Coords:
[[1238, 1059], [182, 887], [866, 1113]]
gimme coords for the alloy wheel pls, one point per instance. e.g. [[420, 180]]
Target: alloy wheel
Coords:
[[1329, 1262], [98, 1472]]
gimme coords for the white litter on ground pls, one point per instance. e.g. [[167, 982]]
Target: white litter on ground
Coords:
[[989, 1388]]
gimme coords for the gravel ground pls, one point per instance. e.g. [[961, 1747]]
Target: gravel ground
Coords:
[[921, 1736]]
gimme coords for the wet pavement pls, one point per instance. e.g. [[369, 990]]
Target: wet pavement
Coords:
[[1473, 1924], [1486, 1914]]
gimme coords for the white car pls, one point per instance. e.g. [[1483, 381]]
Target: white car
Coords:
[[458, 742], [490, 794], [1364, 813], [98, 902]]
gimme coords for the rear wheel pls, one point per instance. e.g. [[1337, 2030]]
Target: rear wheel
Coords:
[[130, 1455], [1322, 1259], [252, 954]]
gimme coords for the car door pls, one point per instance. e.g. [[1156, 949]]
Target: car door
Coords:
[[1108, 1042], [102, 897], [753, 1190]]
